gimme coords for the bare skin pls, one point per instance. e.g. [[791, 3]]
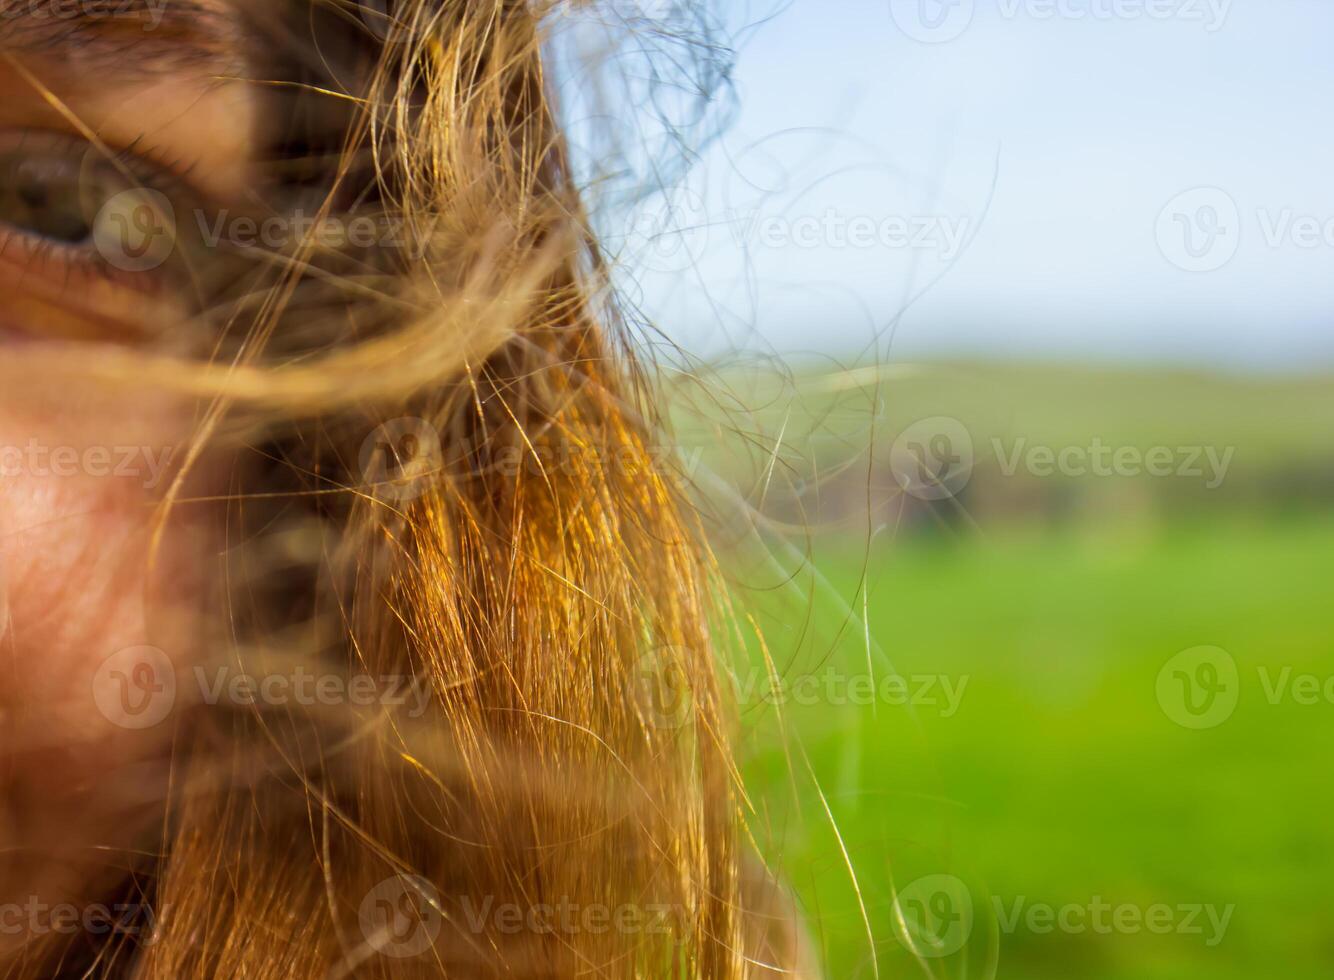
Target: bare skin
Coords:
[[81, 472]]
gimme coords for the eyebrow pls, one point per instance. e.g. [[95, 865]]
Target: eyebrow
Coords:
[[127, 37]]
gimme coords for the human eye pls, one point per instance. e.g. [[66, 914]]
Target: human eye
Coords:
[[87, 237]]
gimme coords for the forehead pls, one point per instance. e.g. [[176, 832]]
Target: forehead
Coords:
[[126, 37]]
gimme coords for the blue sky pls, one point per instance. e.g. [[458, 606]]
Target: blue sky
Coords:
[[1130, 179]]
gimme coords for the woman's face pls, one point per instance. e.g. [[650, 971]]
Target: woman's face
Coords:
[[94, 618]]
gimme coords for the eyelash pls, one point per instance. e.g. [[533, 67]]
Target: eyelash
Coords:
[[151, 168], [135, 164]]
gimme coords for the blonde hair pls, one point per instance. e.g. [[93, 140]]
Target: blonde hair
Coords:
[[521, 552]]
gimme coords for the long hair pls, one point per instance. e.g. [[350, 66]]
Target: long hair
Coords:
[[445, 479]]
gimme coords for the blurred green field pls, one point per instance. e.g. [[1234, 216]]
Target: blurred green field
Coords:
[[1060, 778]]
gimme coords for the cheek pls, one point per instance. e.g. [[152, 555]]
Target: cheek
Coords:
[[75, 557], [81, 584]]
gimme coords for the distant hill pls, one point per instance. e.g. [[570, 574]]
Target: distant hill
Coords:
[[987, 442]]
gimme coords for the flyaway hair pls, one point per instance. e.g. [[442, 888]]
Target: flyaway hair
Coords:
[[444, 472]]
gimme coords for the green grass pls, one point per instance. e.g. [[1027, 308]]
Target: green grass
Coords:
[[1060, 778]]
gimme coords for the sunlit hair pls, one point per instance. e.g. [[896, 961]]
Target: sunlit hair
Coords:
[[444, 463]]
